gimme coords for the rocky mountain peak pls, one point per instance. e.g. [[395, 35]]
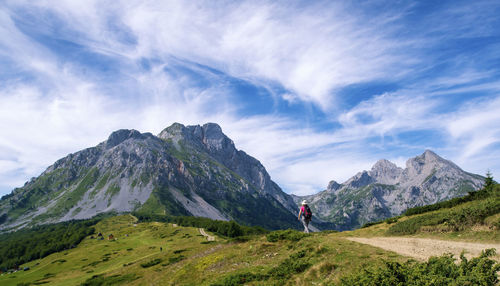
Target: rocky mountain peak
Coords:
[[174, 131], [213, 138], [385, 172], [122, 135], [333, 186], [361, 179], [384, 164], [209, 135], [387, 190], [426, 163]]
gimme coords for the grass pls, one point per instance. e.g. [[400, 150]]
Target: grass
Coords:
[[158, 253], [135, 258], [459, 218], [474, 218]]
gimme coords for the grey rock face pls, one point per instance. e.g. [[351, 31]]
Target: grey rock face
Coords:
[[185, 170], [387, 190]]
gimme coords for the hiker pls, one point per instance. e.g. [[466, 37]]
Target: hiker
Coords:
[[304, 209]]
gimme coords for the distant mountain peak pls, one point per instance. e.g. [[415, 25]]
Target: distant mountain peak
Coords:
[[333, 186], [387, 190], [121, 135], [428, 156], [384, 164], [385, 172], [209, 135]]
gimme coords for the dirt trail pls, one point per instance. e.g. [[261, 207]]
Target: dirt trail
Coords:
[[209, 237], [423, 248]]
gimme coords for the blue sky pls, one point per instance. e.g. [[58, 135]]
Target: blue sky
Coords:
[[316, 90]]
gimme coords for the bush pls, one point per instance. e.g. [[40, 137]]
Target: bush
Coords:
[[100, 280], [436, 271], [151, 263], [241, 279], [372, 223], [292, 265], [296, 263], [289, 234]]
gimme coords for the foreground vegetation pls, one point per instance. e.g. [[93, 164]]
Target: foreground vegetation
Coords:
[[480, 208], [166, 250], [160, 253], [437, 271], [475, 216], [26, 245]]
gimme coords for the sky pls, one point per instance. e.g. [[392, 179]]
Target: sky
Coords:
[[315, 90]]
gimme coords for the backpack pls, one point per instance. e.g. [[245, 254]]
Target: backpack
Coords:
[[307, 212]]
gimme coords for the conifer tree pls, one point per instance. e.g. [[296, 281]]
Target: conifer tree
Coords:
[[488, 181]]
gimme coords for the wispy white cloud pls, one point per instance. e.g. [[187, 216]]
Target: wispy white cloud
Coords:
[[388, 114], [475, 127], [311, 51]]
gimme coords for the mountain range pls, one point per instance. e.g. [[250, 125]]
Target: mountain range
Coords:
[[388, 190], [197, 170]]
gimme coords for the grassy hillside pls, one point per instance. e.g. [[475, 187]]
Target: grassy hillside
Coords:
[[147, 253], [475, 217], [155, 251]]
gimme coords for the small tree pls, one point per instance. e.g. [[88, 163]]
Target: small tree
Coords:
[[488, 181]]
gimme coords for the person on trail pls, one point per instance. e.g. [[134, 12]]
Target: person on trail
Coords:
[[307, 215]]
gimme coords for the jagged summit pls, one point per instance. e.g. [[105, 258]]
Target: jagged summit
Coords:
[[333, 186], [121, 135], [385, 172], [384, 164], [209, 135]]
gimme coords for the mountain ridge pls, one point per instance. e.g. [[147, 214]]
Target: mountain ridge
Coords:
[[185, 170], [387, 190], [197, 170]]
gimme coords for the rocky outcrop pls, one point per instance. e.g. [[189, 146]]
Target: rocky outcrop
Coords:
[[387, 190]]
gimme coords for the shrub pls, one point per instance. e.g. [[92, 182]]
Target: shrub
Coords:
[[241, 279], [296, 263], [368, 224], [436, 271], [151, 263], [289, 234], [100, 280], [292, 265]]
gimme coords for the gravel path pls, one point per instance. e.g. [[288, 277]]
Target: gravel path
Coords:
[[423, 248], [209, 237]]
